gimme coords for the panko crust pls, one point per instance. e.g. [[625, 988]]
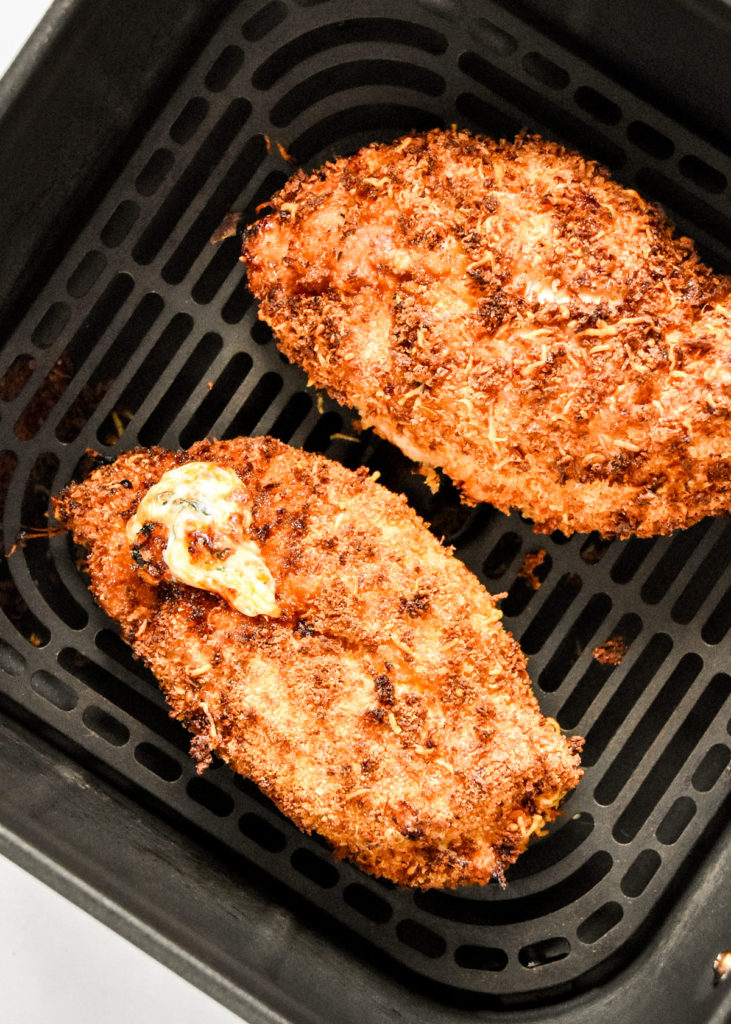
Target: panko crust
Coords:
[[386, 708], [507, 312]]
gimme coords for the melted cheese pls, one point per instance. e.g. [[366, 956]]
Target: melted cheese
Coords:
[[204, 509]]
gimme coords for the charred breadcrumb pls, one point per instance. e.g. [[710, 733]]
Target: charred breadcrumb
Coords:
[[386, 708], [507, 312]]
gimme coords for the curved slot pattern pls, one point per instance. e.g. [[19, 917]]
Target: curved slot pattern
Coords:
[[345, 33], [481, 958], [537, 106], [547, 951], [56, 691], [600, 922], [640, 873], [367, 903], [493, 913], [425, 941], [353, 75]]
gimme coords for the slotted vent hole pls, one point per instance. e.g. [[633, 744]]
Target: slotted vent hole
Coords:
[[56, 691], [531, 575], [425, 941], [105, 725], [37, 552], [680, 203], [367, 903], [538, 107], [703, 579], [711, 768], [191, 182], [543, 853], [545, 71], [488, 118], [217, 399], [151, 370], [360, 123], [590, 685], [16, 377], [501, 557], [11, 601], [675, 753], [625, 697], [110, 367], [265, 19], [594, 548], [345, 33], [86, 274], [597, 105], [256, 405], [600, 922], [650, 140], [292, 416], [254, 827], [632, 554], [51, 324], [189, 120], [677, 554], [489, 913], [124, 696], [702, 174], [547, 951], [157, 762], [551, 612], [315, 868], [495, 39], [718, 622], [120, 224], [640, 873], [574, 642], [223, 69], [210, 796], [481, 958], [155, 171], [225, 258], [224, 195], [318, 439], [352, 75], [676, 820], [648, 728], [111, 644], [177, 395], [89, 334]]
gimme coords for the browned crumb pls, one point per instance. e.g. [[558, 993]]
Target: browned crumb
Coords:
[[531, 562], [612, 652]]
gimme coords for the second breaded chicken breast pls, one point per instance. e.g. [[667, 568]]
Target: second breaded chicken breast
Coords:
[[309, 630], [507, 312]]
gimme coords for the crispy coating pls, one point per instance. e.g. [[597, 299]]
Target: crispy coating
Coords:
[[506, 311], [386, 708]]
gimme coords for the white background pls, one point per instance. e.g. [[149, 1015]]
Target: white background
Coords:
[[58, 965]]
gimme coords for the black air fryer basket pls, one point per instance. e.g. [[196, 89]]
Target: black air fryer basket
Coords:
[[129, 130]]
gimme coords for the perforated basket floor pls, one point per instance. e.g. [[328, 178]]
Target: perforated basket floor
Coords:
[[146, 334]]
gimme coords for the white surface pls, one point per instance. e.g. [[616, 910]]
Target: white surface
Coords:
[[17, 21], [57, 963]]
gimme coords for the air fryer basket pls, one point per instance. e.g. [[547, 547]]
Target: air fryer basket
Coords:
[[143, 332]]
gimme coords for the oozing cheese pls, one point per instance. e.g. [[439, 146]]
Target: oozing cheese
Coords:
[[204, 509]]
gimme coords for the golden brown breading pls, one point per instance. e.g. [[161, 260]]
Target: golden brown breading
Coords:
[[509, 313], [386, 708]]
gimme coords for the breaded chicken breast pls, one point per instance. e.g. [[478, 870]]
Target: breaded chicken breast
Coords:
[[507, 312], [310, 631]]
